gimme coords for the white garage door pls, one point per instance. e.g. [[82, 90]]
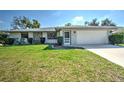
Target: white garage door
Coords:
[[92, 37]]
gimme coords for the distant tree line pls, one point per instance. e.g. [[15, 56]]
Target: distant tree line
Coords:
[[95, 22], [24, 23]]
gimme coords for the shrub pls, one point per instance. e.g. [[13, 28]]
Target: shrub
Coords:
[[116, 38], [122, 33], [42, 40], [60, 40], [3, 35], [3, 38], [10, 41], [30, 40]]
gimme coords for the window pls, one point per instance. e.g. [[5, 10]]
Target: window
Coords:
[[24, 35], [51, 35]]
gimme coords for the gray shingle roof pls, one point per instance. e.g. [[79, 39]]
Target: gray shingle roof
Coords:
[[61, 27]]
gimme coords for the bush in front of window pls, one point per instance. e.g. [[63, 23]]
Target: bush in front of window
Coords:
[[42, 40], [116, 38], [3, 38], [60, 40], [10, 41], [30, 40]]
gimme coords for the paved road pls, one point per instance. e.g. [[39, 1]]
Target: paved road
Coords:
[[113, 53]]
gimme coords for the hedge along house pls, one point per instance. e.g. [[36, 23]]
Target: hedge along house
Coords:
[[72, 35]]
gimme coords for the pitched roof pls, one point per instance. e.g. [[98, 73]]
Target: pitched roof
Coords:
[[89, 27], [31, 30]]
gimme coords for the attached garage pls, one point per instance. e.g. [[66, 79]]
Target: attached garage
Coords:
[[75, 35], [92, 37]]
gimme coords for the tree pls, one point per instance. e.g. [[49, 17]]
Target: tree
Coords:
[[94, 22], [24, 23], [68, 24], [3, 38], [16, 22], [107, 22], [86, 23], [35, 24]]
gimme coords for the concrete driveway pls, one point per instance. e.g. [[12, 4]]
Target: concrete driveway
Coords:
[[113, 53]]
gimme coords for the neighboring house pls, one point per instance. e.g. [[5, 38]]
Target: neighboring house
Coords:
[[72, 35]]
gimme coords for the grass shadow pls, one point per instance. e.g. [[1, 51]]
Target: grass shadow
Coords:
[[49, 47], [52, 47]]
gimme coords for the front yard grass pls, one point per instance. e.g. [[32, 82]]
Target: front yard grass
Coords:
[[121, 44], [39, 63]]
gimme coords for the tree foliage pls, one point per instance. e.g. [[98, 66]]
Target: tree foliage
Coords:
[[107, 22], [3, 38], [24, 23], [94, 22], [68, 24], [35, 24], [116, 38], [16, 23], [86, 23]]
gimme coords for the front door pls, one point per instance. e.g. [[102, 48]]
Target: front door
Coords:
[[67, 38]]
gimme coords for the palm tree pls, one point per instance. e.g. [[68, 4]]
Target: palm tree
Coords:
[[68, 24], [35, 24], [107, 22], [94, 22]]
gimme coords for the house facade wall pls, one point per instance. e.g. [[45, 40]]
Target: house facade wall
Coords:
[[77, 36], [35, 35], [15, 35], [73, 37], [60, 33], [30, 34]]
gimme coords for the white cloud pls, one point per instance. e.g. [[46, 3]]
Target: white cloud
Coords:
[[77, 20]]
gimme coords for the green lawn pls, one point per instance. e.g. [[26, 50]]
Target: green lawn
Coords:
[[121, 44], [39, 63]]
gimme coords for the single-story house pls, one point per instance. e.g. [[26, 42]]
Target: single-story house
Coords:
[[72, 35]]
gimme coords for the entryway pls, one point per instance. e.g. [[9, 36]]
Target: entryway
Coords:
[[66, 38]]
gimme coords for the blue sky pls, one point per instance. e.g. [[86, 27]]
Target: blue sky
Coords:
[[60, 17]]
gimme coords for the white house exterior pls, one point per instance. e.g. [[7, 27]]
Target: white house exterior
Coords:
[[72, 35], [87, 35]]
